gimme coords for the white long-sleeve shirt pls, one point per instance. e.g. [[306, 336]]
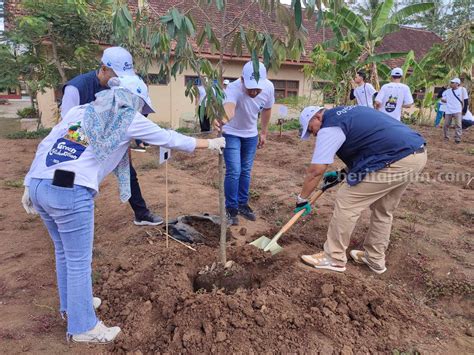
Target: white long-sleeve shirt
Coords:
[[70, 99], [66, 147]]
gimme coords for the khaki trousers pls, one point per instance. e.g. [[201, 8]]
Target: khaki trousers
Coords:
[[381, 192], [448, 117]]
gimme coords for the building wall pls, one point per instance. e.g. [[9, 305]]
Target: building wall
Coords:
[[173, 108], [48, 108]]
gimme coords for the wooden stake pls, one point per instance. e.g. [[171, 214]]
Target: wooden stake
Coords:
[[166, 203], [179, 241]]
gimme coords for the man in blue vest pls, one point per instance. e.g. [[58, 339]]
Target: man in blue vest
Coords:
[[116, 61], [382, 156]]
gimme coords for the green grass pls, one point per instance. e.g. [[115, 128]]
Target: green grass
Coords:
[[40, 133], [289, 125], [14, 183], [184, 130], [470, 151]]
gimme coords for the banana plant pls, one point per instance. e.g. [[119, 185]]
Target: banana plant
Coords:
[[370, 33]]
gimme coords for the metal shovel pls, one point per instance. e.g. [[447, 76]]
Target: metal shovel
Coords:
[[272, 245]]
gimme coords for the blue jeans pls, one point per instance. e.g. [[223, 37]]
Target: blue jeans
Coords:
[[239, 154], [68, 214], [439, 116]]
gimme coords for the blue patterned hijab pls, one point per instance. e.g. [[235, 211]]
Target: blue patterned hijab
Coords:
[[106, 121]]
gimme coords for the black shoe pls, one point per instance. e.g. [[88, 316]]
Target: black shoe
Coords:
[[232, 218], [149, 219], [247, 212], [457, 142]]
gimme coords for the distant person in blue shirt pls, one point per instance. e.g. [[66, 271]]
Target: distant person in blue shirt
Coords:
[[382, 156], [116, 61], [440, 108]]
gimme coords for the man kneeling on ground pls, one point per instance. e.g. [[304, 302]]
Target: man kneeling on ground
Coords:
[[382, 157]]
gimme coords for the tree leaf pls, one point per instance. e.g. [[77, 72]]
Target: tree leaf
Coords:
[[256, 65], [381, 15], [381, 57], [352, 21], [189, 26], [411, 10], [220, 4], [177, 18], [298, 14]]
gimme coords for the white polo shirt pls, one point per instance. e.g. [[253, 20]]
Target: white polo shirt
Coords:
[[364, 95], [453, 105], [393, 96], [244, 122]]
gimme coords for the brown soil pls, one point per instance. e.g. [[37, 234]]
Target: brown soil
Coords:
[[424, 302]]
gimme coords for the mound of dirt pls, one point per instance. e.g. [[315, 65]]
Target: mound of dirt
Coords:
[[286, 307]]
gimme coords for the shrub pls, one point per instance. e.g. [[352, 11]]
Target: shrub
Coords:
[[288, 125], [40, 133], [27, 112], [184, 130]]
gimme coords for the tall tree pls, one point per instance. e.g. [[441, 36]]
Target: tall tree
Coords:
[[54, 40], [173, 41]]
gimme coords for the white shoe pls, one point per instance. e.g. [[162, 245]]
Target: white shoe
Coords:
[[100, 334], [359, 257], [96, 302], [322, 261]]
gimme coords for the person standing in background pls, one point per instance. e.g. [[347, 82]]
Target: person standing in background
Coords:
[[457, 101], [394, 96], [362, 91]]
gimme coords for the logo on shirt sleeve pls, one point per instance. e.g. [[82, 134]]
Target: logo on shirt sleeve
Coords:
[[70, 147]]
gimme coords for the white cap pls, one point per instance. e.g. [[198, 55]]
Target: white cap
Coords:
[[136, 86], [119, 60], [226, 82], [397, 72], [249, 79], [306, 115], [456, 80]]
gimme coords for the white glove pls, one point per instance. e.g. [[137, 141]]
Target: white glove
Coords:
[[216, 144], [26, 201]]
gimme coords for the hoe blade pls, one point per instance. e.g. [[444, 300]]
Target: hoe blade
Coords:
[[267, 245], [261, 242]]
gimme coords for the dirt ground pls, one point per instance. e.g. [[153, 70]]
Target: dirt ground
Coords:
[[423, 303]]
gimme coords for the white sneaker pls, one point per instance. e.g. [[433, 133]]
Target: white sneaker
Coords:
[[359, 257], [100, 334], [322, 261], [96, 302]]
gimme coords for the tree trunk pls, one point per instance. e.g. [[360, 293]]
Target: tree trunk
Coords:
[[222, 212], [375, 77], [56, 60]]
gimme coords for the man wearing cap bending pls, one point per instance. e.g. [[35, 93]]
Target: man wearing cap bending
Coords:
[[116, 61], [394, 96], [456, 100], [381, 155], [245, 99]]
